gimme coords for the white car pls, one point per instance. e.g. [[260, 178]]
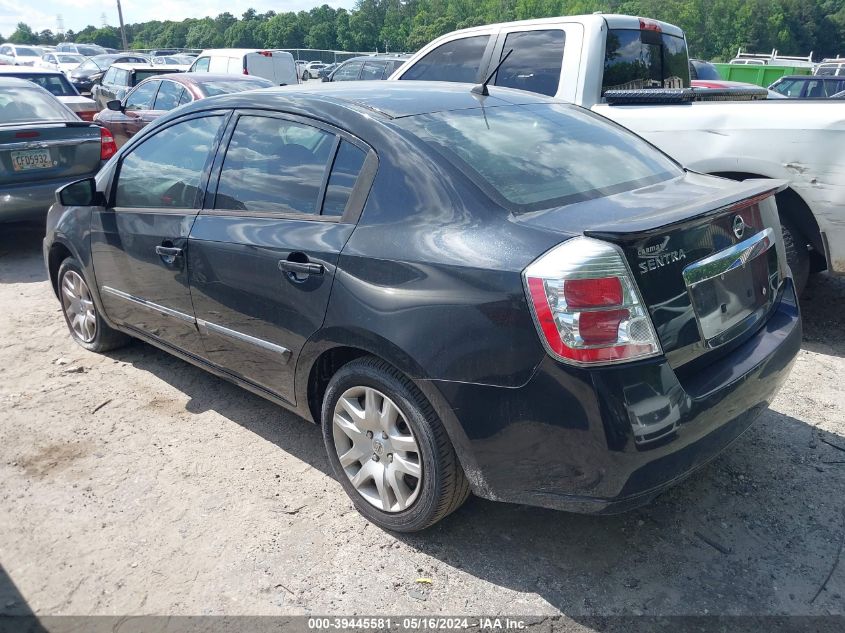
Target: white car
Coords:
[[64, 62], [17, 55], [312, 69], [273, 65]]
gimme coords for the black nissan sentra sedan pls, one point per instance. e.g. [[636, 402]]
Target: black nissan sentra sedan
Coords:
[[499, 294]]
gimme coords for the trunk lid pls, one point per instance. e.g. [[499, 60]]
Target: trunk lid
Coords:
[[45, 151], [709, 279]]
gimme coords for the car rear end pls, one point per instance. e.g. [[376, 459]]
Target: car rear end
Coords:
[[662, 301], [43, 146]]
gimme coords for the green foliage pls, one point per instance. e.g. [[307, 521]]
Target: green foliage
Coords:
[[714, 28]]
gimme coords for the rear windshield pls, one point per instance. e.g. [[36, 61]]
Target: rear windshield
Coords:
[[224, 86], [635, 59], [22, 105], [538, 156], [70, 59], [56, 84], [23, 51], [140, 75]]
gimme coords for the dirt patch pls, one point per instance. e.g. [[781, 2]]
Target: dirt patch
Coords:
[[51, 459]]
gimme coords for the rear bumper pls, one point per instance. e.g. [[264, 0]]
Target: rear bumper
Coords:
[[587, 441], [32, 200]]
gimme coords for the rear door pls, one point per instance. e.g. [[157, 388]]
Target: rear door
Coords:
[[263, 252], [139, 243]]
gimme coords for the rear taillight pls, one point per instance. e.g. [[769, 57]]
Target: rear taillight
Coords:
[[586, 305], [108, 147]]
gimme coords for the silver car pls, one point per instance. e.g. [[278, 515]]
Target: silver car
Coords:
[[43, 146]]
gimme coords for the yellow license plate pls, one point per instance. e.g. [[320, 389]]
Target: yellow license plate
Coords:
[[31, 159]]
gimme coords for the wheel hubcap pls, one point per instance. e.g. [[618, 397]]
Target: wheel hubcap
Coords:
[[376, 449], [78, 307]]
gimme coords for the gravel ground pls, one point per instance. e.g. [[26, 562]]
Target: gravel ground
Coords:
[[134, 483]]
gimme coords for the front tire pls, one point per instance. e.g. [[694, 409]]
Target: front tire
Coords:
[[388, 448], [86, 324]]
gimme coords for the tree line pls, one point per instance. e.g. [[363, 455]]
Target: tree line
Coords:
[[714, 28]]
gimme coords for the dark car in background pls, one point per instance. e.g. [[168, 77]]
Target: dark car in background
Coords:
[[808, 86], [120, 78], [504, 293], [89, 73], [43, 146], [56, 83], [157, 95], [700, 69], [370, 67]]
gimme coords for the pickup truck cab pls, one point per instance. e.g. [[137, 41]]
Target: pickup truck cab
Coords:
[[580, 58]]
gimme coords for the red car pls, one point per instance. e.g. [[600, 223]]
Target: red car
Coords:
[[158, 95]]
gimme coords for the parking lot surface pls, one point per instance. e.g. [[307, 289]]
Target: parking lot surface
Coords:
[[134, 483]]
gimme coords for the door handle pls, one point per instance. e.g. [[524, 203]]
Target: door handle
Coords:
[[300, 268], [168, 251]]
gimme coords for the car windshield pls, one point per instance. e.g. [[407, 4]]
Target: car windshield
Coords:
[[56, 84], [539, 156], [90, 64], [636, 59], [225, 86], [89, 50], [70, 59], [23, 105], [23, 51]]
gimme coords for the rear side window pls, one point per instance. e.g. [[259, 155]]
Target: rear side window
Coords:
[[458, 60], [168, 96], [273, 165], [535, 62], [637, 60], [540, 156], [142, 97], [165, 171], [347, 166], [372, 71], [348, 72]]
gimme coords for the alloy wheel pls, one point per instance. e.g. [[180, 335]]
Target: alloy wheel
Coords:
[[78, 306], [377, 449]]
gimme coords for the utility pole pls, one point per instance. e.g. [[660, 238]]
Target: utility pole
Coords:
[[122, 29]]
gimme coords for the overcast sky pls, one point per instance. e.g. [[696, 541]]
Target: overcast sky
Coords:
[[77, 14]]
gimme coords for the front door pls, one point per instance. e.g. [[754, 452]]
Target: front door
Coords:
[[139, 242], [263, 254]]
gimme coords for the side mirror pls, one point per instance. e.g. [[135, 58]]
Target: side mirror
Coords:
[[81, 193], [115, 104]]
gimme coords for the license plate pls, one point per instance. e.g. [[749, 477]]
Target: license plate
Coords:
[[31, 159]]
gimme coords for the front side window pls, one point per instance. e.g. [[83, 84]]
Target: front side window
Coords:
[[348, 72], [541, 156], [637, 60], [201, 65], [458, 60], [273, 165], [121, 78], [142, 97], [165, 171], [535, 62], [788, 88], [168, 96], [108, 78], [347, 166]]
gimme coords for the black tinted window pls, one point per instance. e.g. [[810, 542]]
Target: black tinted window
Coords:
[[635, 60], [54, 84], [535, 62], [273, 165], [165, 170], [458, 60], [168, 96], [345, 171]]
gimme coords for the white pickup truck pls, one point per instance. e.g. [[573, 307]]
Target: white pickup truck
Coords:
[[586, 59]]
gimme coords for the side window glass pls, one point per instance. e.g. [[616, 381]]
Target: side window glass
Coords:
[[168, 96], [347, 165], [164, 171], [535, 62], [123, 78], [372, 71], [201, 65], [273, 165], [109, 76], [348, 72], [185, 97], [142, 97], [458, 60]]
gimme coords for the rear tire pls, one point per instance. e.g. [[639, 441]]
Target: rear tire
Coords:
[[84, 321], [441, 487], [797, 255]]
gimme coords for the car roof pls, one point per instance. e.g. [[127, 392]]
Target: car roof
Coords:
[[139, 66], [812, 77], [392, 99], [387, 58], [237, 52], [201, 78]]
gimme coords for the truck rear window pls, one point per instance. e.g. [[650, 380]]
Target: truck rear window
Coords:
[[539, 156], [637, 60]]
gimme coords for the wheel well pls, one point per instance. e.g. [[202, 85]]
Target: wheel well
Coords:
[[326, 366], [58, 253], [792, 207]]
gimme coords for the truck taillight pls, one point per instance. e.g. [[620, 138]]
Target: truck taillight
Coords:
[[650, 25], [108, 147], [586, 305]]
